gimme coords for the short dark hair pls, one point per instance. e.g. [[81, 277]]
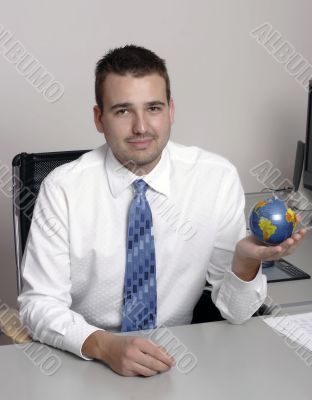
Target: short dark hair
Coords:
[[130, 59]]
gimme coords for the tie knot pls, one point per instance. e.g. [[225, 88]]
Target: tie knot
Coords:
[[140, 186]]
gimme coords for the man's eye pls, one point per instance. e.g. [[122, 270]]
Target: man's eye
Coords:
[[154, 108], [122, 111]]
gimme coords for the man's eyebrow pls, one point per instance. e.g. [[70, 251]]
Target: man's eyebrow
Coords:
[[120, 105], [149, 103], [155, 103]]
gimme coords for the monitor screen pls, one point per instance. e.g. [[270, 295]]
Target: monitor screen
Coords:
[[307, 173]]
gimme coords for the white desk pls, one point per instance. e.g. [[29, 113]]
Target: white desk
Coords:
[[240, 362], [235, 362]]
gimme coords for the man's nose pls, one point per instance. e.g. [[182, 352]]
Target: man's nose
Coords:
[[139, 124]]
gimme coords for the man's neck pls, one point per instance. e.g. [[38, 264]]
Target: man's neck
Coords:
[[138, 169]]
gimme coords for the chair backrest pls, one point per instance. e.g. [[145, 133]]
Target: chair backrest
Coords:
[[29, 170]]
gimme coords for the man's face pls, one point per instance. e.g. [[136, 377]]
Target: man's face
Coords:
[[136, 119]]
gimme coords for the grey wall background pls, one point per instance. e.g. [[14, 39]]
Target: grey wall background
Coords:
[[232, 97]]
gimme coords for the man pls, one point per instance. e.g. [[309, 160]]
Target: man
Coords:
[[138, 205]]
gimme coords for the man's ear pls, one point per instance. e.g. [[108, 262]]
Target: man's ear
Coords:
[[97, 114], [171, 110]]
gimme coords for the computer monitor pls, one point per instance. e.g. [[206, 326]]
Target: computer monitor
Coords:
[[307, 172]]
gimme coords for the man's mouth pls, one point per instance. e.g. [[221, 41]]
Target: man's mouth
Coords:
[[140, 143]]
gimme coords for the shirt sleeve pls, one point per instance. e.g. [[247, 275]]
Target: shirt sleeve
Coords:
[[45, 299], [237, 300]]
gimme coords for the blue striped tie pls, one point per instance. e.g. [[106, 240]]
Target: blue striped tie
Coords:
[[140, 294]]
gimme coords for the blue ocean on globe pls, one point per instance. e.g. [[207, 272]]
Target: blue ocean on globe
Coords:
[[272, 221]]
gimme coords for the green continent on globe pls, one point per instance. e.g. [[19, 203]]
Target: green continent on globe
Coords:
[[267, 228], [260, 204]]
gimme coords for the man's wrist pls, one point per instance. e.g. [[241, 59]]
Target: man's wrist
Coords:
[[97, 345], [245, 268]]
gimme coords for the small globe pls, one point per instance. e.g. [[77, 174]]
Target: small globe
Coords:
[[271, 221]]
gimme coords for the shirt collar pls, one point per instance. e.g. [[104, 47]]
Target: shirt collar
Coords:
[[120, 178]]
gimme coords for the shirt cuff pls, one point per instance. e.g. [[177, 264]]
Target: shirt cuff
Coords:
[[75, 337], [238, 284], [238, 300]]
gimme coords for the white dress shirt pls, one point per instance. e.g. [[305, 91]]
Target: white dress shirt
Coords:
[[74, 262]]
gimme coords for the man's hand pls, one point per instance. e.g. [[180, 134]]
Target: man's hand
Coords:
[[250, 252], [127, 355]]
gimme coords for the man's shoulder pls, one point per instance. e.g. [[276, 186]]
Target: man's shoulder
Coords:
[[194, 155], [76, 169]]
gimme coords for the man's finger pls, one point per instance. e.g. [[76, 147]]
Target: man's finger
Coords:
[[164, 350], [156, 352], [287, 243], [273, 251], [151, 363], [142, 370], [298, 217], [285, 248], [292, 241]]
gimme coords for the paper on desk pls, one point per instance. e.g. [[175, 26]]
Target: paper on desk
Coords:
[[297, 327]]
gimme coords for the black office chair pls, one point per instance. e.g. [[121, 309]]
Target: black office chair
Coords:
[[29, 170]]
